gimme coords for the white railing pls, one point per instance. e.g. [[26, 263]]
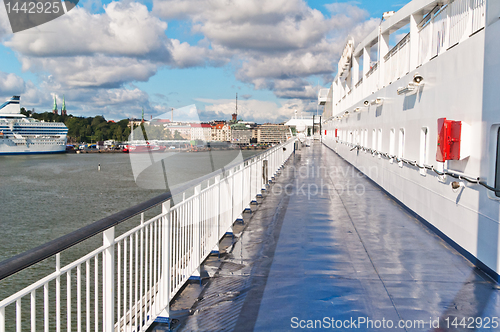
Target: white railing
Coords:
[[478, 8], [371, 80], [459, 20], [397, 61], [450, 26], [128, 282], [443, 28]]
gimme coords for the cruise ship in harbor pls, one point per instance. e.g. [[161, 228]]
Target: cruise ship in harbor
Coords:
[[22, 135], [421, 118]]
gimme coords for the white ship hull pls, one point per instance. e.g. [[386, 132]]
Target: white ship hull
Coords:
[[22, 135], [9, 147], [389, 136]]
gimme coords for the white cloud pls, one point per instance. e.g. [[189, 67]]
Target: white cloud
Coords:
[[31, 95], [185, 55], [5, 28], [11, 84], [273, 44], [254, 110], [91, 72], [123, 44], [125, 29]]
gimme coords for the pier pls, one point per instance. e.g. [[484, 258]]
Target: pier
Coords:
[[286, 239]]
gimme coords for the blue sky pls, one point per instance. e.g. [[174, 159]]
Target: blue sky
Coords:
[[115, 58]]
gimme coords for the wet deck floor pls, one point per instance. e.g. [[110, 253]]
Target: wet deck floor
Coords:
[[344, 254]]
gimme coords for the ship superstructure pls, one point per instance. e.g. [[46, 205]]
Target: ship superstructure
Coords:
[[414, 106], [22, 135]]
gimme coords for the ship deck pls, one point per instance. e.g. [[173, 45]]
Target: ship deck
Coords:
[[347, 252]]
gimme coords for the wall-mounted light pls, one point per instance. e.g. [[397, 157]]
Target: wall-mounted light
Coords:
[[417, 78], [456, 185], [377, 101], [418, 81]]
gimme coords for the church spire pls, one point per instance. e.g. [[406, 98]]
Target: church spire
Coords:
[[63, 109], [54, 108]]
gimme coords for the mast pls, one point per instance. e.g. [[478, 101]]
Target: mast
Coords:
[[235, 114]]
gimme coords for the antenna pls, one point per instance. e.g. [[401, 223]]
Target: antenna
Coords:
[[236, 103], [172, 116]]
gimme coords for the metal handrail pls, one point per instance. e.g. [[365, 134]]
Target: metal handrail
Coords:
[[33, 256], [397, 48], [372, 69]]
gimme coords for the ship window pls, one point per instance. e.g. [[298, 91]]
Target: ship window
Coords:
[[401, 146], [497, 175], [392, 142], [424, 145], [374, 139], [379, 143]]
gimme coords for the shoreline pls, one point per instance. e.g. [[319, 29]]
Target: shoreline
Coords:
[[176, 150]]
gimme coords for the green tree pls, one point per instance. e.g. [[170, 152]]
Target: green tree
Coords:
[[97, 120], [178, 136], [117, 134]]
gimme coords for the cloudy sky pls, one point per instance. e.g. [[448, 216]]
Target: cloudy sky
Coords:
[[115, 58]]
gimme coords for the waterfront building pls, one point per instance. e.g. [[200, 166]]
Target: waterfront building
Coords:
[[240, 134], [201, 132], [270, 133], [221, 132], [134, 121], [183, 129]]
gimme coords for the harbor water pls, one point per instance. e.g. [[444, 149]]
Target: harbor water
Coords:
[[46, 196]]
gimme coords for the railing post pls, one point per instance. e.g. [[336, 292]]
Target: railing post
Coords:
[[197, 231], [469, 28], [108, 266], [2, 319], [366, 68], [58, 292], [383, 46], [355, 72], [258, 179], [218, 210], [165, 280], [265, 177]]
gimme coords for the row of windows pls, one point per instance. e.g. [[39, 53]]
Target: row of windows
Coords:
[[361, 137], [28, 132]]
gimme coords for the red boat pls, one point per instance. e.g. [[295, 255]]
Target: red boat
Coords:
[[144, 148]]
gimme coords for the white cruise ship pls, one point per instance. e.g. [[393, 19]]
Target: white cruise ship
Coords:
[[22, 135], [415, 107]]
